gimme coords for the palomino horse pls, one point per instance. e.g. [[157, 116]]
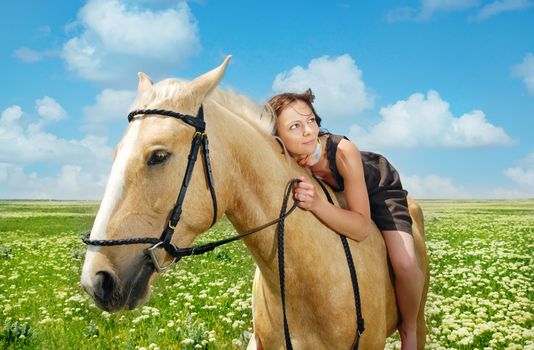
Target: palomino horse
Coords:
[[250, 173]]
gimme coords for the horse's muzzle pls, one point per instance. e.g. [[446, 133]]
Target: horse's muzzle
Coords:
[[112, 293]]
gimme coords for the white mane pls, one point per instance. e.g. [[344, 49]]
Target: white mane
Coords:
[[167, 89]]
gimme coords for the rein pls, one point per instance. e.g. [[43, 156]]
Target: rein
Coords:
[[178, 253], [354, 279], [353, 276]]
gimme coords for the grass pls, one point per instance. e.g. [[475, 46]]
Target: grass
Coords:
[[481, 295]]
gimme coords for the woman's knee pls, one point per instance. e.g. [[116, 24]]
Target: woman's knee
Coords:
[[405, 266]]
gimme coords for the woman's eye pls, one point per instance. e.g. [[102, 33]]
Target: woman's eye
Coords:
[[294, 126], [158, 157], [311, 120]]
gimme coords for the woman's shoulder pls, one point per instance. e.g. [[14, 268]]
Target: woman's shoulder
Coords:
[[335, 141], [348, 157], [347, 149]]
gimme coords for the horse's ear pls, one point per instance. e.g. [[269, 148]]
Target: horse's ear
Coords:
[[204, 84], [144, 82]]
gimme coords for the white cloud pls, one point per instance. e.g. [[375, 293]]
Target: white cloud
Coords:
[[523, 173], [44, 30], [9, 127], [528, 161], [49, 109], [400, 14], [428, 122], [336, 82], [30, 56], [10, 115], [433, 187], [117, 40], [82, 164], [72, 182], [525, 71], [30, 143], [428, 8], [501, 6], [522, 177], [111, 107], [510, 193]]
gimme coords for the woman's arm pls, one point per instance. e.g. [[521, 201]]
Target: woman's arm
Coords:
[[354, 221]]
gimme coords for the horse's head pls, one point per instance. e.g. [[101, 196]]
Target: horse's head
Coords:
[[149, 165]]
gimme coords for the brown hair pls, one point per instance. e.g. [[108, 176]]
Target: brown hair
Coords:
[[279, 102]]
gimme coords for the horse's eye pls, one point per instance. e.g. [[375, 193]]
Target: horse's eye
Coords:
[[158, 157]]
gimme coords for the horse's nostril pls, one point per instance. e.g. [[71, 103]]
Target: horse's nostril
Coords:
[[104, 285]]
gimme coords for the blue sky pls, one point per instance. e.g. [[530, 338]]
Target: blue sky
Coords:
[[443, 88]]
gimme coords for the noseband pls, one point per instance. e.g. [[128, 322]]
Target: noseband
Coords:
[[200, 139]]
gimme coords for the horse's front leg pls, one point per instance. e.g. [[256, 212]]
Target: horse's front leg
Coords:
[[254, 343]]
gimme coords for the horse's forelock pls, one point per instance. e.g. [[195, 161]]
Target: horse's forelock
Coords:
[[159, 93]]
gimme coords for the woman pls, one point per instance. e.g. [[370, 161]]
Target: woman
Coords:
[[371, 189]]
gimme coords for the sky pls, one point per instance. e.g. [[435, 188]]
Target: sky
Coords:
[[443, 88]]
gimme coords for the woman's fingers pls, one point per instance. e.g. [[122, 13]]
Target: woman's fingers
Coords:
[[304, 183], [304, 187], [304, 193]]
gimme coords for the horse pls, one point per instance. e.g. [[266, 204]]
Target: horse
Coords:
[[249, 171]]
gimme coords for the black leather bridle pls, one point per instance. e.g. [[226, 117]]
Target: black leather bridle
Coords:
[[200, 139]]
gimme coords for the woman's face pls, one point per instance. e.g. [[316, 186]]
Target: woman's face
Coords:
[[297, 127]]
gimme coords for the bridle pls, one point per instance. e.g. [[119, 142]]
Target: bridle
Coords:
[[200, 139]]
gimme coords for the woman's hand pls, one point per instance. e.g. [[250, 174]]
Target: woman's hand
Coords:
[[304, 193]]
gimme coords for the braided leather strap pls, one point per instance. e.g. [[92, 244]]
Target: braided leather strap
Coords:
[[353, 277], [197, 123], [105, 242]]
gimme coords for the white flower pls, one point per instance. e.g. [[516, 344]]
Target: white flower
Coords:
[[187, 341]]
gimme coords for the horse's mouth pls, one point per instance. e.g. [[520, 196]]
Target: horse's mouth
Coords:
[[129, 291], [140, 287]]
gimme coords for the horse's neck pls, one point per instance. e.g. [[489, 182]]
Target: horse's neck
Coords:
[[259, 173], [260, 179]]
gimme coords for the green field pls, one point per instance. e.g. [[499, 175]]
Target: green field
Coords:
[[481, 293]]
